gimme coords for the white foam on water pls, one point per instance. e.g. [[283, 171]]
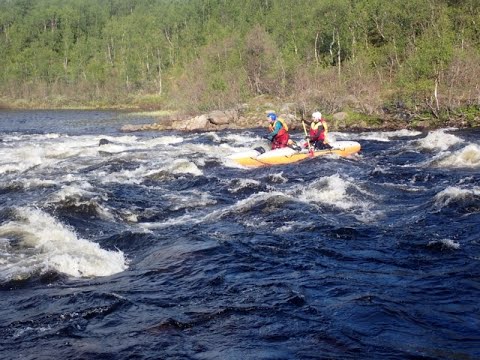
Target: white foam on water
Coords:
[[287, 227], [242, 184], [37, 242], [403, 133], [243, 139], [181, 220], [29, 329], [184, 166], [438, 140], [126, 139], [112, 148], [331, 190], [46, 151], [189, 199], [208, 150], [245, 205], [242, 206], [70, 178], [380, 170], [32, 151], [177, 166], [453, 193], [446, 243], [227, 149], [36, 183], [29, 184], [83, 194], [64, 150], [223, 151], [130, 216], [383, 136], [467, 157], [334, 191], [129, 143], [124, 176], [164, 140], [279, 177], [73, 191], [29, 138], [47, 136], [20, 159], [117, 145], [212, 136]]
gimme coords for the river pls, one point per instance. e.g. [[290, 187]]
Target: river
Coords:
[[155, 246]]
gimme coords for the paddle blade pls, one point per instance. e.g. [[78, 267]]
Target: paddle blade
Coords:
[[310, 152]]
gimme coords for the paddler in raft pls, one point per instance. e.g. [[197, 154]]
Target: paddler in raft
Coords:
[[278, 131], [317, 135]]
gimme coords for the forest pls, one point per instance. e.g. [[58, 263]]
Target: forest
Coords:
[[367, 56]]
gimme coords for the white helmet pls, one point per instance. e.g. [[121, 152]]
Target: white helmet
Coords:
[[317, 115]]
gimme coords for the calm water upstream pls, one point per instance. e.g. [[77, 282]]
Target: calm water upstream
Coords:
[[154, 246]]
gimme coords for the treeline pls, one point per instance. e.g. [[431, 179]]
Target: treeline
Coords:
[[423, 55]]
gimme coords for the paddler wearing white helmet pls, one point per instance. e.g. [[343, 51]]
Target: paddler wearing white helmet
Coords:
[[318, 132]]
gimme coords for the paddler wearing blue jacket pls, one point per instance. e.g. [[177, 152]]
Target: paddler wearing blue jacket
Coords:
[[278, 131]]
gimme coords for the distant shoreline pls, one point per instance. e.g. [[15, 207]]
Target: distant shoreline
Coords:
[[358, 121]]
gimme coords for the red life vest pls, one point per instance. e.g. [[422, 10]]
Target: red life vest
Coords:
[[281, 138], [317, 131]]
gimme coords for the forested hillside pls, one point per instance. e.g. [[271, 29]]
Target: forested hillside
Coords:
[[364, 55]]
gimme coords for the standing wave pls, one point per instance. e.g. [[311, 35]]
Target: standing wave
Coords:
[[34, 242]]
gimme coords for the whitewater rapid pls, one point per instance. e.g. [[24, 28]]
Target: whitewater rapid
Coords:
[[155, 245], [35, 241]]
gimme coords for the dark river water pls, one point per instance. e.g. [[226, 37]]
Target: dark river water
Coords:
[[155, 246]]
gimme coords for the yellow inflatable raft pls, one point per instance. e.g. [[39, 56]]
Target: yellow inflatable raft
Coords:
[[256, 158]]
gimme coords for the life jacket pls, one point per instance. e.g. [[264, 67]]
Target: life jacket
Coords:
[[284, 128], [317, 130], [284, 124]]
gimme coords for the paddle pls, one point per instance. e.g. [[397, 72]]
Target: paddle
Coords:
[[310, 148]]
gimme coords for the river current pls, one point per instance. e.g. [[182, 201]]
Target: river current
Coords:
[[154, 246]]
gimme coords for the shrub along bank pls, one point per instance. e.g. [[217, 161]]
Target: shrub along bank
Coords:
[[411, 62]]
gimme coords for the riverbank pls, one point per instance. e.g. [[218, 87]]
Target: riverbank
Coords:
[[252, 114]]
